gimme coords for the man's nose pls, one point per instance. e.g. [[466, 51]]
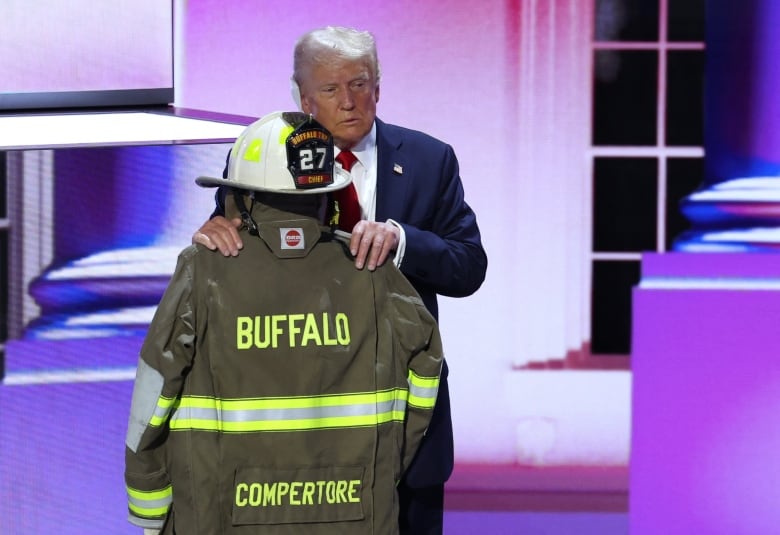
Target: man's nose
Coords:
[[347, 99]]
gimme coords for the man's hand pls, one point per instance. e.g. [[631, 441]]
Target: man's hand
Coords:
[[219, 233], [372, 243]]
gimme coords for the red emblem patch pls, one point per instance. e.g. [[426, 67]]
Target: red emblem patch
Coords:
[[292, 238]]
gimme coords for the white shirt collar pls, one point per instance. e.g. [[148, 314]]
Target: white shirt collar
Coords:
[[365, 149]]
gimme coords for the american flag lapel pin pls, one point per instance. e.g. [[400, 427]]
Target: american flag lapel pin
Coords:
[[397, 169]]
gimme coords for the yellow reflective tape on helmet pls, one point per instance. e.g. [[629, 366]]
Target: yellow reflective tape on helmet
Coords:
[[422, 390], [254, 150], [285, 133], [150, 504], [287, 414]]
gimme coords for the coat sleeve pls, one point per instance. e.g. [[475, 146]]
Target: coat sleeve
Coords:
[[417, 334], [165, 357], [444, 249]]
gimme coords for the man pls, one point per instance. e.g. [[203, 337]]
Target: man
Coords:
[[282, 391], [413, 210]]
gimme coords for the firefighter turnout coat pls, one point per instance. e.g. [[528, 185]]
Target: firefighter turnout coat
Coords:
[[281, 391]]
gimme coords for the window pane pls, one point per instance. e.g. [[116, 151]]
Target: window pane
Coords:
[[686, 20], [684, 98], [625, 97], [626, 20], [624, 213], [611, 306]]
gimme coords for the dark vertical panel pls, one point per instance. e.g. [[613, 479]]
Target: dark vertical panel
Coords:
[[625, 97], [611, 306], [686, 20], [684, 98], [624, 204]]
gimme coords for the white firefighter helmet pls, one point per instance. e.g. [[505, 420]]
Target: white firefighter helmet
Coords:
[[283, 152]]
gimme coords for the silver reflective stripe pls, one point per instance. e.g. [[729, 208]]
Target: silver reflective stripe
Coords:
[[164, 406], [272, 415], [149, 504], [422, 390], [146, 392], [422, 396], [150, 524], [303, 414]]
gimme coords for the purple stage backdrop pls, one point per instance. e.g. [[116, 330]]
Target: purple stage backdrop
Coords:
[[508, 85]]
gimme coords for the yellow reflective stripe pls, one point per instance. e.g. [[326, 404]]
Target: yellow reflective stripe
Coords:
[[162, 411], [294, 413], [422, 402], [300, 402], [149, 513], [253, 150], [285, 133], [150, 494], [422, 390], [150, 504], [423, 382], [308, 402]]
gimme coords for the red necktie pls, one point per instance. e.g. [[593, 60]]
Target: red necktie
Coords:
[[349, 206]]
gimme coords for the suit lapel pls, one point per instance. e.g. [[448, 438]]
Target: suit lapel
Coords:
[[392, 174]]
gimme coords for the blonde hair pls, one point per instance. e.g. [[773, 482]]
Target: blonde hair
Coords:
[[320, 45]]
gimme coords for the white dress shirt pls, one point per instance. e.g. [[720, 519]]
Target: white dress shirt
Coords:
[[364, 178]]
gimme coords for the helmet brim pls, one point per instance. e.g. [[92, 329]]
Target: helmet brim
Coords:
[[342, 179]]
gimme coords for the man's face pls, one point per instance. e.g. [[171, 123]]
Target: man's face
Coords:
[[342, 96]]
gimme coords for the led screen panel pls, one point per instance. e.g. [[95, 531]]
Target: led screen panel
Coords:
[[85, 54]]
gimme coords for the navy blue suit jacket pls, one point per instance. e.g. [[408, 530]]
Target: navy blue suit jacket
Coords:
[[419, 187]]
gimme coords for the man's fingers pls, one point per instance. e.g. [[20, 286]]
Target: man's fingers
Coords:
[[365, 246], [381, 256], [220, 234], [204, 240], [374, 254], [372, 243]]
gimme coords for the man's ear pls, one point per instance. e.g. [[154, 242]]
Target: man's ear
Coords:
[[295, 91], [376, 93]]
